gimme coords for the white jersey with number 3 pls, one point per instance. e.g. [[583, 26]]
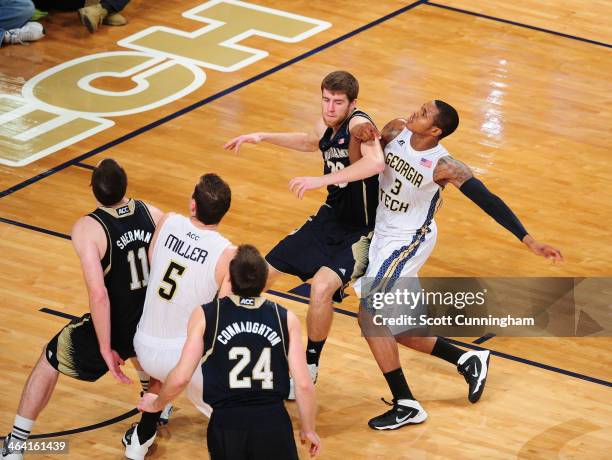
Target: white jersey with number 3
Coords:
[[408, 196], [182, 276]]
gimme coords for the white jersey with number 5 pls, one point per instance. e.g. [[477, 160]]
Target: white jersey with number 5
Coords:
[[182, 276], [408, 195]]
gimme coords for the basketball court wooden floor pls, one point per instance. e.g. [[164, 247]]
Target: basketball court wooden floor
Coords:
[[531, 80]]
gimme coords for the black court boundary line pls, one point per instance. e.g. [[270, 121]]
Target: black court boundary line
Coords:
[[286, 295], [207, 100], [484, 338], [474, 347], [518, 24], [84, 166], [58, 313], [95, 426], [35, 228]]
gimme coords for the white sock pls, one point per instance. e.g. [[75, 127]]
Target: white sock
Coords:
[[144, 380], [406, 402], [21, 428]]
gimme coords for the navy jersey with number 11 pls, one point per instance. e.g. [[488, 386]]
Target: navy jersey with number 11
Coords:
[[246, 342]]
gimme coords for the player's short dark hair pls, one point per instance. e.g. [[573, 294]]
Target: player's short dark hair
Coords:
[[248, 272], [447, 118], [212, 197], [109, 182], [343, 82]]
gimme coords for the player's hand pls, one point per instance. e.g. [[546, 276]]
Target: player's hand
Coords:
[[365, 132], [148, 403], [234, 144], [543, 249], [299, 185], [113, 361], [315, 442]]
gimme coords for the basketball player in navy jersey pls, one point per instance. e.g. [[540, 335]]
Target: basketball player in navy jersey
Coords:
[[112, 243], [249, 346], [322, 248], [417, 169]]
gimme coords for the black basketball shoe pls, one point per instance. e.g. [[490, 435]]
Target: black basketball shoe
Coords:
[[474, 366], [404, 412]]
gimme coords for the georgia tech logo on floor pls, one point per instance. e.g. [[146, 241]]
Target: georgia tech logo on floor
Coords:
[[64, 105]]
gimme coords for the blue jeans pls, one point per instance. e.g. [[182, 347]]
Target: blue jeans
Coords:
[[116, 5], [14, 14]]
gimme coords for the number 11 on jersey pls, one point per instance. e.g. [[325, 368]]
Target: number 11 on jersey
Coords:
[[138, 280]]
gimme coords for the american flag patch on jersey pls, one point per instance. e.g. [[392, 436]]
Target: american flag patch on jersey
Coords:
[[341, 141], [425, 162]]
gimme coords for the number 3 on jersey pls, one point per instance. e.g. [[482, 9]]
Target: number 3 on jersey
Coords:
[[168, 291]]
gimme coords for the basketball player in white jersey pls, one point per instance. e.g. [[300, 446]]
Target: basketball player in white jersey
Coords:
[[189, 266], [416, 172]]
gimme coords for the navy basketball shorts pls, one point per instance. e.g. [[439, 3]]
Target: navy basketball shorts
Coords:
[[323, 241], [251, 433], [75, 351]]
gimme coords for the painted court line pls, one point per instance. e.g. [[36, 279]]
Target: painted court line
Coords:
[[518, 24], [207, 100], [35, 228], [484, 338]]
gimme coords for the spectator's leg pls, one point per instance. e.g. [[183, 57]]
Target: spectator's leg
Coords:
[[14, 14]]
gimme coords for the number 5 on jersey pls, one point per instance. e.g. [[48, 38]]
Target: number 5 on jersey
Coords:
[[168, 290]]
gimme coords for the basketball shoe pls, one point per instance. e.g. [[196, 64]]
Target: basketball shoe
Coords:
[[474, 366], [134, 450], [403, 412], [8, 451]]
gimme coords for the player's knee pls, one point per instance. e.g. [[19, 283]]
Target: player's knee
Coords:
[[322, 290], [43, 363], [411, 341]]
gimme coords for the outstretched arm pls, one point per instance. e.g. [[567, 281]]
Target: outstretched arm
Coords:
[[366, 154], [449, 170], [303, 142], [373, 162]]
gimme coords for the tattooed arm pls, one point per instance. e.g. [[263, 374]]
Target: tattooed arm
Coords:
[[448, 170], [391, 131]]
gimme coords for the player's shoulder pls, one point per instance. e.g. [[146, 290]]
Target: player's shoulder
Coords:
[[392, 129], [358, 117], [170, 217], [397, 124], [230, 250], [86, 231], [155, 213], [85, 225]]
